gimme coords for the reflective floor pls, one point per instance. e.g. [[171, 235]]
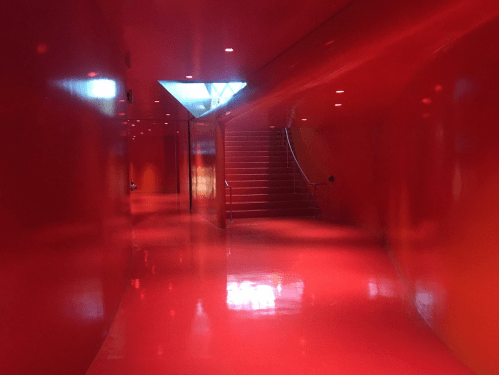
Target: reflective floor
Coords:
[[265, 296]]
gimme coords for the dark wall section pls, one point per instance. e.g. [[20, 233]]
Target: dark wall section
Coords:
[[183, 162], [424, 176], [65, 225], [153, 164]]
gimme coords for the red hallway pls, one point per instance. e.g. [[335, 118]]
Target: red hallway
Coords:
[[376, 121], [266, 296]]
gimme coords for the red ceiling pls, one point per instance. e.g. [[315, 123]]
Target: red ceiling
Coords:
[[293, 53], [171, 39]]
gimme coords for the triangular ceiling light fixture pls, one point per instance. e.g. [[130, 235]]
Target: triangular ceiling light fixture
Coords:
[[201, 98]]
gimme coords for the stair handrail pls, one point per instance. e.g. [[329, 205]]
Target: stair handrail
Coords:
[[230, 198], [298, 164], [313, 184]]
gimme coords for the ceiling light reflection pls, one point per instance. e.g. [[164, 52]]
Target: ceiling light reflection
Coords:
[[264, 294]]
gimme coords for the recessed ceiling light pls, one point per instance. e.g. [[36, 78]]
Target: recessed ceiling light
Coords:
[[149, 129], [188, 77], [338, 105], [304, 119], [138, 120], [156, 101], [168, 114], [229, 50], [166, 123], [340, 91]]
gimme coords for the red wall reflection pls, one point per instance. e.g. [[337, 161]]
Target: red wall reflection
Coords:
[[413, 147], [207, 172], [64, 194]]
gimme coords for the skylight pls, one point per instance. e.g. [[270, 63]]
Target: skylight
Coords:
[[200, 98]]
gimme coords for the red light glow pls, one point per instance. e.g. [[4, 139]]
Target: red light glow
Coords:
[[92, 74], [426, 101], [41, 48]]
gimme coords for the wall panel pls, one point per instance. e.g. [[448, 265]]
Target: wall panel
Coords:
[[64, 197]]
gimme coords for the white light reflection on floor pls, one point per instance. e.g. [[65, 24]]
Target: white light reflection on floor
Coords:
[[264, 294], [382, 288]]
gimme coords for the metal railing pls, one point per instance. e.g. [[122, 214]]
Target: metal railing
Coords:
[[230, 199], [307, 181]]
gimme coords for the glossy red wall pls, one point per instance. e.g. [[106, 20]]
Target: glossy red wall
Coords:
[[64, 197], [424, 177], [207, 170], [397, 100]]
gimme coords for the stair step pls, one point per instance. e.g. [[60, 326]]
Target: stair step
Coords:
[[253, 132], [269, 170], [239, 206], [280, 152], [267, 190], [268, 197], [283, 212], [252, 158], [257, 165], [241, 140], [265, 183], [256, 148], [286, 176]]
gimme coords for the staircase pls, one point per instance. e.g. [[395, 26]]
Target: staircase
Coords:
[[263, 179]]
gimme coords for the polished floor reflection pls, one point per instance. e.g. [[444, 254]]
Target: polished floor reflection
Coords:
[[265, 296]]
